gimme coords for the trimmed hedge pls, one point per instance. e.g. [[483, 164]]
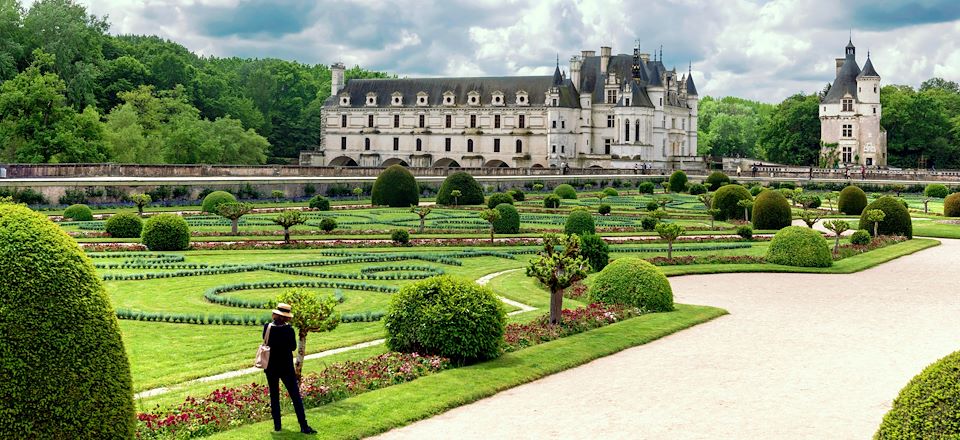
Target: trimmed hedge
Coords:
[[678, 181], [611, 192], [215, 199], [726, 198], [471, 193], [64, 368], [579, 222], [498, 198], [517, 194], [897, 220], [595, 250], [400, 236], [123, 225], [929, 406], [755, 190], [860, 237], [328, 224], [799, 246], [395, 187], [449, 317], [565, 191], [745, 231], [717, 179], [852, 200], [697, 189], [951, 205], [551, 201], [166, 232], [771, 211], [603, 209], [509, 221], [320, 203], [646, 187], [634, 282], [936, 190], [78, 213]]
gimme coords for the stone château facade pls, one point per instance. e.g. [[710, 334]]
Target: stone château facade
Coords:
[[622, 111], [850, 112]]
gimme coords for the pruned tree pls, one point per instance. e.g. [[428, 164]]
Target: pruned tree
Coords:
[[706, 199], [663, 202], [558, 266], [926, 205], [898, 188], [491, 216], [670, 232], [233, 211], [423, 212], [358, 191], [311, 314], [876, 216], [838, 227], [287, 220], [537, 187], [714, 214], [810, 217], [830, 197], [140, 200], [747, 205], [456, 196], [277, 195]]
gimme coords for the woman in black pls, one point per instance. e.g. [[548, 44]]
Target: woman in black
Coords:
[[282, 343]]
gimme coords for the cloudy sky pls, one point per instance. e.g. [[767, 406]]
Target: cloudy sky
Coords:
[[764, 50]]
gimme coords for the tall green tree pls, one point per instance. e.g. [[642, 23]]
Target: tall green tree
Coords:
[[11, 38], [792, 134], [917, 127]]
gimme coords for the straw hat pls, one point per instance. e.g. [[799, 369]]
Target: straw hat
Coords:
[[283, 309]]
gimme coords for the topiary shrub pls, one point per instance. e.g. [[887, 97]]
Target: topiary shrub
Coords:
[[648, 223], [745, 231], [756, 189], [498, 198], [215, 199], [320, 203], [395, 187], [328, 224], [936, 190], [726, 198], [123, 225], [799, 246], [445, 316], [579, 222], [471, 193], [717, 179], [929, 406], [166, 232], [65, 372], [603, 209], [400, 236], [697, 189], [678, 181], [896, 220], [611, 192], [509, 221], [517, 194], [78, 212], [860, 237], [646, 187], [951, 205], [565, 191], [653, 205], [771, 211], [551, 201], [595, 250], [633, 282], [852, 200]]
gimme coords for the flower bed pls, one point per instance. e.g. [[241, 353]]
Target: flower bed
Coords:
[[706, 259], [849, 250], [519, 336]]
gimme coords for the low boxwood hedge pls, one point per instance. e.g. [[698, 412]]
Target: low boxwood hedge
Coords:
[[78, 213], [799, 246], [565, 191], [123, 225], [166, 232], [633, 282], [579, 222]]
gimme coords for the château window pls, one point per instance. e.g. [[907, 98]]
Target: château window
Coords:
[[396, 144], [519, 146], [469, 145], [847, 130], [554, 102], [554, 124], [370, 121], [611, 97], [626, 131], [419, 145], [473, 121], [847, 155], [396, 121], [343, 143], [422, 121], [554, 149], [496, 145], [874, 110], [606, 145], [563, 149], [446, 144], [496, 121], [343, 121], [449, 121], [848, 105], [610, 121], [522, 121], [874, 89], [563, 124], [366, 143]]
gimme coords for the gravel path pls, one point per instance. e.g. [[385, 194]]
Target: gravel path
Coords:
[[799, 357]]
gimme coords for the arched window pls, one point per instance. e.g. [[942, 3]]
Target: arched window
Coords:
[[636, 132], [469, 145], [366, 143], [626, 131], [519, 146], [419, 145]]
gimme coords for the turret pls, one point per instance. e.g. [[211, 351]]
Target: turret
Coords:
[[868, 83], [336, 78]]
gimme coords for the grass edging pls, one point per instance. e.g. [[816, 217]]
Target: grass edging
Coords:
[[381, 410]]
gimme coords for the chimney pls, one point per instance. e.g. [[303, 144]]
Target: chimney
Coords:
[[336, 78], [587, 53], [840, 64], [604, 59], [575, 71]]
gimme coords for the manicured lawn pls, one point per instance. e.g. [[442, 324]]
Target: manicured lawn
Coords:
[[934, 229]]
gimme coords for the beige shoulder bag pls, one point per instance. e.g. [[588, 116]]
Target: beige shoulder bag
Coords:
[[263, 353]]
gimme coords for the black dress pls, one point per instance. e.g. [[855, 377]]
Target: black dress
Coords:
[[282, 343]]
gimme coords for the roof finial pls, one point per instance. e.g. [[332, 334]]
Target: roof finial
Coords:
[[689, 66], [661, 53], [558, 60]]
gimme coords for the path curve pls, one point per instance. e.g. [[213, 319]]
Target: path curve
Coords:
[[801, 356], [484, 280]]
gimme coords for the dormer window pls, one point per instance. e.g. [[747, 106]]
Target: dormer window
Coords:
[[396, 99], [422, 98], [345, 99], [522, 98], [473, 98], [847, 105], [371, 99], [448, 98], [497, 98]]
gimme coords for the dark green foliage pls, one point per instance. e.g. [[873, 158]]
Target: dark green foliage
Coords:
[[400, 236], [29, 196], [756, 189], [517, 194], [551, 201], [648, 223], [928, 407], [634, 282], [810, 201], [678, 181], [166, 232], [717, 179], [78, 212], [771, 211], [396, 188], [215, 199], [896, 221], [579, 222], [309, 190], [951, 205], [646, 187], [448, 317], [745, 231], [471, 193], [73, 197], [509, 221], [603, 209], [69, 361], [498, 198], [328, 224], [791, 134], [611, 192], [799, 246], [852, 200], [726, 198], [860, 237], [653, 205], [936, 190], [320, 203], [595, 250], [698, 188], [123, 225], [565, 191], [787, 185]]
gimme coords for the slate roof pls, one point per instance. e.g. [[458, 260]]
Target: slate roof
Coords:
[[691, 87], [535, 86], [622, 66], [845, 83], [868, 69]]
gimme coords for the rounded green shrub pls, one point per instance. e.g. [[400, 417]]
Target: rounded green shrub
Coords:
[[395, 187], [852, 200], [745, 231], [400, 236], [936, 190], [166, 232], [78, 212], [653, 205], [678, 181], [717, 179], [579, 222], [928, 407], [498, 198], [565, 191], [799, 246], [697, 189], [633, 282], [771, 211], [65, 372], [603, 209], [646, 187], [648, 223], [611, 192], [471, 193], [896, 221], [328, 224], [517, 194], [123, 225], [811, 201], [215, 199], [509, 221], [726, 198], [756, 189], [445, 316], [951, 205], [595, 250], [860, 237], [320, 203], [551, 201]]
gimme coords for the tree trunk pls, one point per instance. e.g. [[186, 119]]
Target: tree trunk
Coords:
[[422, 221], [670, 249], [286, 235], [455, 203], [556, 304], [746, 215], [491, 233], [836, 246], [233, 225], [711, 223], [301, 352], [876, 227], [140, 210]]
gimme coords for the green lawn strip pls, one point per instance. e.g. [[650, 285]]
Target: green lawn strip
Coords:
[[937, 230], [381, 410]]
